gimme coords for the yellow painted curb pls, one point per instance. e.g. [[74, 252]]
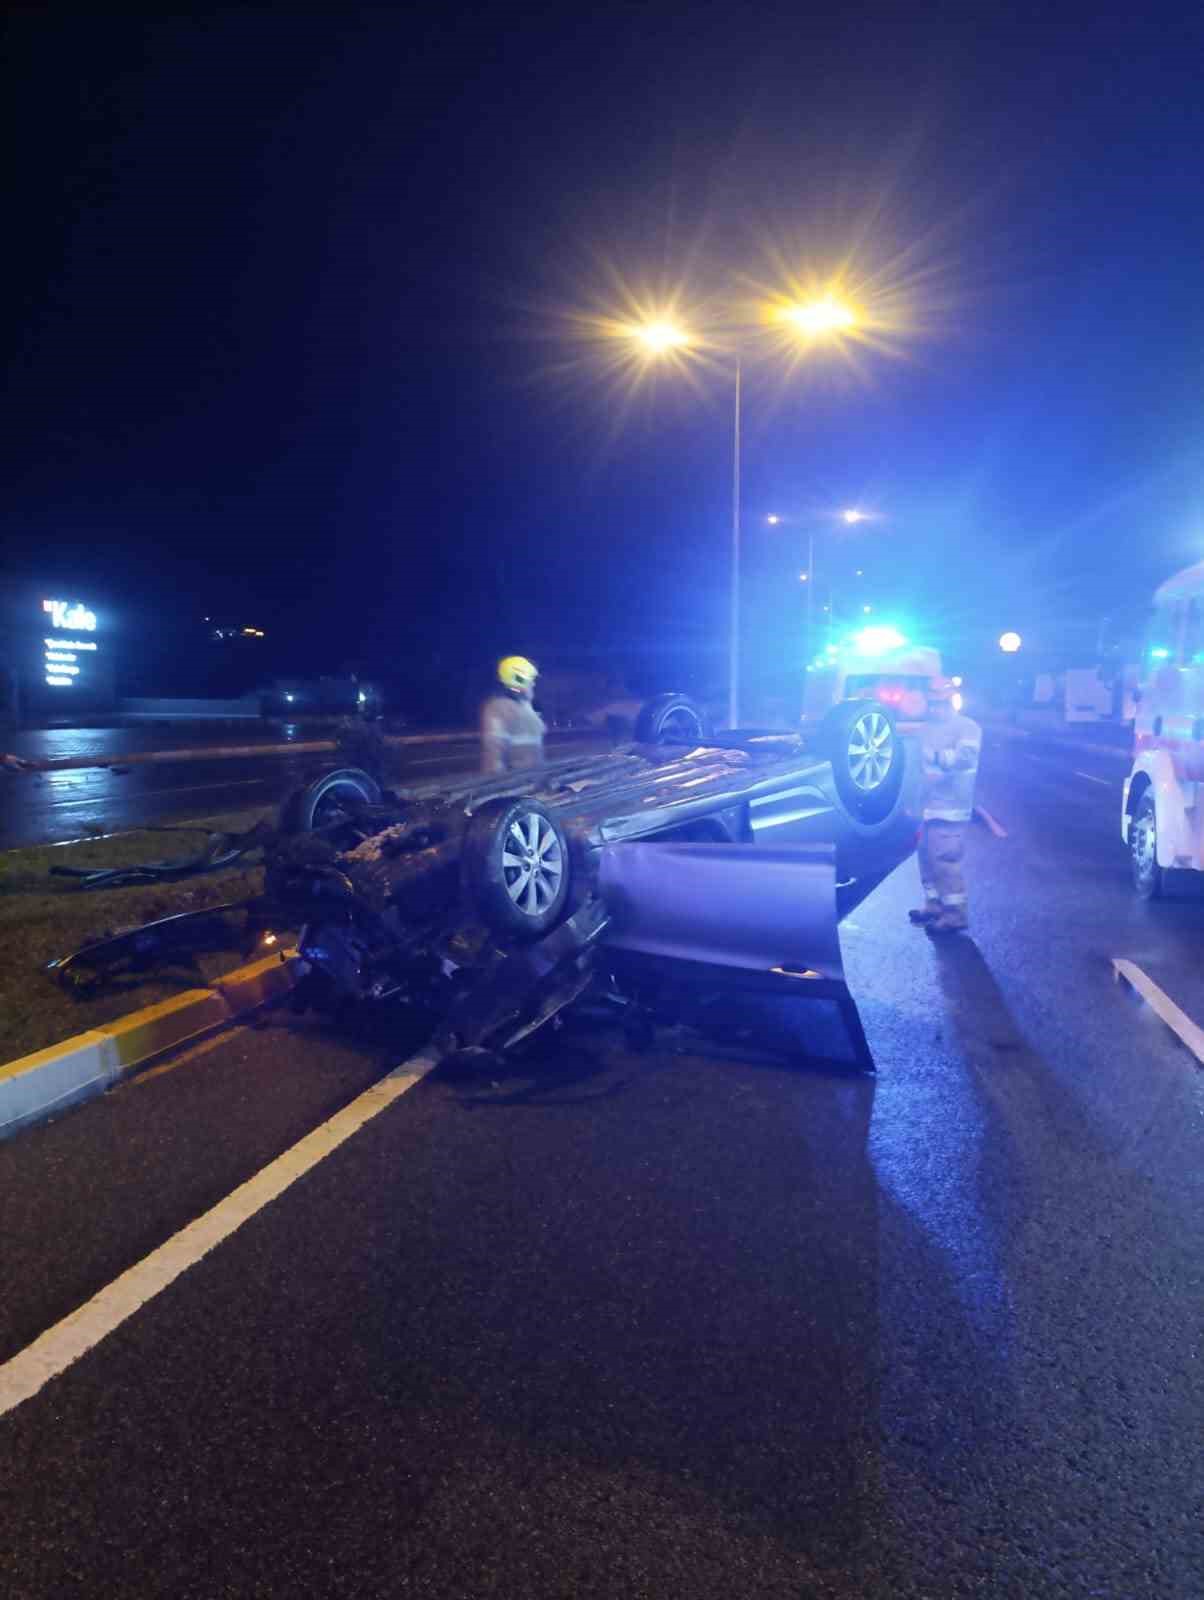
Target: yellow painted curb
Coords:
[[40, 1085]]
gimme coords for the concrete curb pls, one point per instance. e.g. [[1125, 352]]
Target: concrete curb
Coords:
[[40, 1085]]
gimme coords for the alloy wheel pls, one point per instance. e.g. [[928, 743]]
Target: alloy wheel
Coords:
[[532, 864], [871, 750]]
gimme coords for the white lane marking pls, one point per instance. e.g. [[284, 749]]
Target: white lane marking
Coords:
[[997, 828], [1091, 778], [153, 794], [1176, 1020], [55, 1350]]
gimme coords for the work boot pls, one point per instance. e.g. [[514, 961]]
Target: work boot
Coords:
[[923, 915], [951, 920]]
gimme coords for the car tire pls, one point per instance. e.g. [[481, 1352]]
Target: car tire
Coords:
[[1149, 879], [516, 866], [672, 719], [328, 799], [861, 740]]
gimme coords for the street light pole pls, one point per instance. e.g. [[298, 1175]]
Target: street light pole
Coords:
[[733, 681], [661, 337], [810, 589]]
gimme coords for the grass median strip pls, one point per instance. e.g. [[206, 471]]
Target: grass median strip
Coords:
[[42, 917]]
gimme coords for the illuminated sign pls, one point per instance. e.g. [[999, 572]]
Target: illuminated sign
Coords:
[[70, 614], [61, 656]]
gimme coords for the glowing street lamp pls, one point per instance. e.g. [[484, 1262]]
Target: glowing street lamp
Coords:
[[1009, 643], [817, 318], [660, 337], [852, 516]]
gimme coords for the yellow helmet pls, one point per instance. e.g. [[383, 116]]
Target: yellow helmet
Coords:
[[516, 672]]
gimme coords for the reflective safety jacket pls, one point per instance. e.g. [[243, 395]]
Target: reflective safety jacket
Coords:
[[511, 734], [950, 751]]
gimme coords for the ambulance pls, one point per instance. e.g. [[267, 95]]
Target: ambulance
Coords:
[[1162, 811], [878, 663]]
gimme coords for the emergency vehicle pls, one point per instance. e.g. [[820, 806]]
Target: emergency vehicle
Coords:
[[1162, 819], [879, 663]]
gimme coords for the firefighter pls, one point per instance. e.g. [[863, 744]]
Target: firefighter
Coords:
[[511, 728], [951, 745]]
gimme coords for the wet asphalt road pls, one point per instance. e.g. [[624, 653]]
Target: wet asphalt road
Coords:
[[53, 807], [666, 1324]]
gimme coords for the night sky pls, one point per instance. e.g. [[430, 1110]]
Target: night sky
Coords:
[[295, 317]]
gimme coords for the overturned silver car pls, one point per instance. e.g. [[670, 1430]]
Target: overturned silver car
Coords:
[[671, 878]]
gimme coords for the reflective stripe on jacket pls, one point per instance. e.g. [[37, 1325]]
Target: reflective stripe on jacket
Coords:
[[950, 750]]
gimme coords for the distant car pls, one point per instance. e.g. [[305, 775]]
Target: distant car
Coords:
[[288, 699]]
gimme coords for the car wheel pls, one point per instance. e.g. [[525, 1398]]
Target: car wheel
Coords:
[[329, 800], [672, 719], [1148, 877], [867, 756], [516, 866]]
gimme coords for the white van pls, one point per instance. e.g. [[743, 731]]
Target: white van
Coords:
[[1162, 812], [876, 664]]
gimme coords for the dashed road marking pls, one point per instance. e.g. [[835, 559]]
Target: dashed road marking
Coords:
[[1176, 1020], [55, 1350], [997, 828], [1091, 778]]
